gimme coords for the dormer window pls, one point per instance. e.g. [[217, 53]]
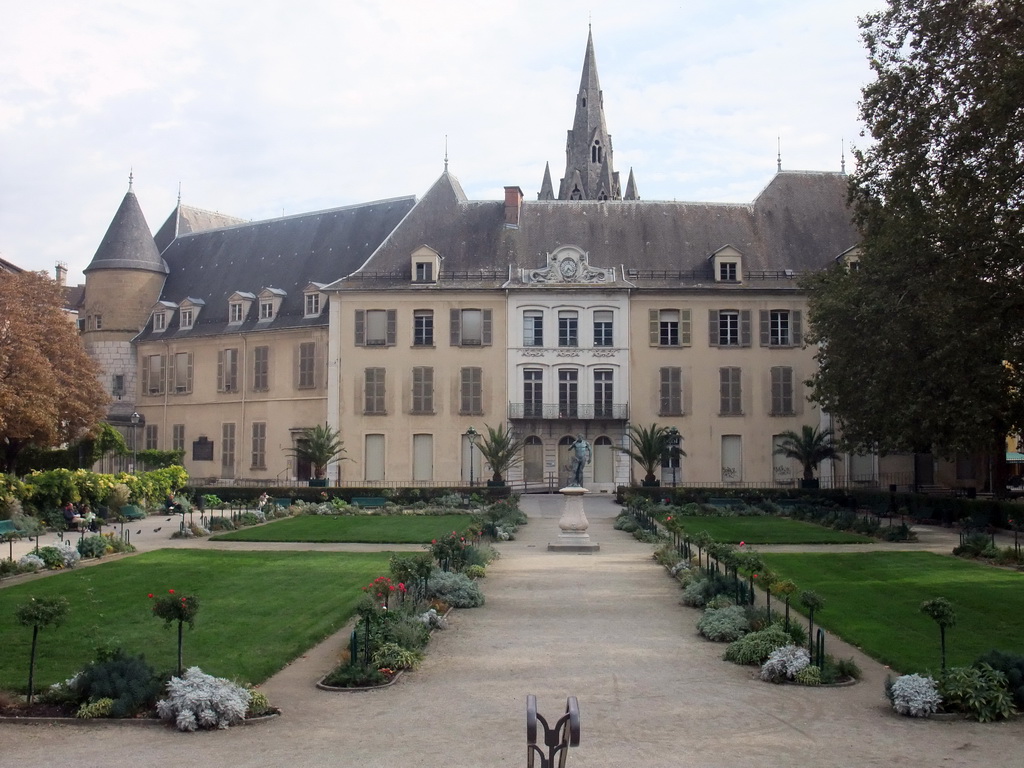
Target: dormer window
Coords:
[[727, 265], [850, 258], [312, 304], [161, 313], [188, 311], [426, 265], [312, 299], [270, 303], [238, 306]]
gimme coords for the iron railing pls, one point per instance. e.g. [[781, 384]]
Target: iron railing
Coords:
[[586, 411]]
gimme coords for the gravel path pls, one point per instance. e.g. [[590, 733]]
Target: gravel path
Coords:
[[606, 628]]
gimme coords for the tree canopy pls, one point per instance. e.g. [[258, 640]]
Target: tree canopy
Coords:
[[50, 392], [921, 346]]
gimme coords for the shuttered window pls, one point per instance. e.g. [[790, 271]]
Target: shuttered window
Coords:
[[374, 394], [729, 328], [729, 389], [306, 365], [422, 389], [470, 327], [376, 327], [782, 391], [261, 369], [471, 399], [671, 388]]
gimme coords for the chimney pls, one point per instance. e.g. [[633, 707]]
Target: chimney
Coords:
[[513, 204], [62, 273]]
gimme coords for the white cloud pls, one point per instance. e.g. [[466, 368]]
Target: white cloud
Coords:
[[266, 106]]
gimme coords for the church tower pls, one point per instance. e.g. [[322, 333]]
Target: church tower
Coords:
[[122, 284], [589, 173]]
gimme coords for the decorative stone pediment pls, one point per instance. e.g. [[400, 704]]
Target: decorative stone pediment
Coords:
[[569, 265]]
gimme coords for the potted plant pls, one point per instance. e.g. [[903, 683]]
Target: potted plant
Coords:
[[648, 447], [502, 450], [810, 447], [319, 446]]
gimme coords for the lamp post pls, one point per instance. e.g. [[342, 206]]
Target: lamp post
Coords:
[[673, 451], [473, 435], [135, 419]]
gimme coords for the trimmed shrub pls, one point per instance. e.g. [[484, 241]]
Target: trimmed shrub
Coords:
[[755, 647], [456, 589], [98, 708], [127, 681], [92, 546], [785, 663], [394, 656], [724, 625], [913, 695], [809, 676], [197, 700]]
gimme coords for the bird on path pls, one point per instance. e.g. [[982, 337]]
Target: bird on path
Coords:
[[157, 530], [138, 532]]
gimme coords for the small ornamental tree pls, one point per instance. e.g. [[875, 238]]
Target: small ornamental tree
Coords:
[[40, 612], [179, 608], [785, 590], [941, 611]]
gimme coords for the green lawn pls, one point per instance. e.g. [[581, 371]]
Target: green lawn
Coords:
[[372, 529], [873, 601], [767, 529], [258, 611]]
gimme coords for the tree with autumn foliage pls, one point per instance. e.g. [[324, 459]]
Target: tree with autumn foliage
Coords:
[[50, 392]]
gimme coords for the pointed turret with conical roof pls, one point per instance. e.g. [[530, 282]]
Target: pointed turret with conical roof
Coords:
[[122, 284], [128, 243], [589, 173]]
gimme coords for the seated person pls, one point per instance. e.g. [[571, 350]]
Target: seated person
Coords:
[[89, 519], [71, 517]]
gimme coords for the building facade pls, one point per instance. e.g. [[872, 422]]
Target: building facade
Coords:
[[405, 322]]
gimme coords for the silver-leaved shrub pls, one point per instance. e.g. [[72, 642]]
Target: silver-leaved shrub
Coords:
[[785, 663], [31, 563], [723, 625], [198, 700], [915, 695]]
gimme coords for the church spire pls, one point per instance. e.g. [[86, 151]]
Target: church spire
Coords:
[[589, 174]]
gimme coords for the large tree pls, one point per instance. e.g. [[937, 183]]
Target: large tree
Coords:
[[921, 346], [49, 390]]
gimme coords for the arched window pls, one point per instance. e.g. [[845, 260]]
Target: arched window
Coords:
[[596, 154]]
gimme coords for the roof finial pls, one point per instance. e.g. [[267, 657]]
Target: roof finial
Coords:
[[842, 161], [179, 193], [131, 177], [446, 153], [779, 160]]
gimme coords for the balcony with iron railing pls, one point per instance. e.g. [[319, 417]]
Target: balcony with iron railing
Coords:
[[577, 411]]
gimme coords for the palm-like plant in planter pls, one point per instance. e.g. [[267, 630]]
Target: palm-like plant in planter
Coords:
[[502, 450], [648, 447], [319, 446], [810, 447]]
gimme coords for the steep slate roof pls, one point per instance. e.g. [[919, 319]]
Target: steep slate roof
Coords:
[[799, 222], [128, 243], [185, 219], [286, 254]]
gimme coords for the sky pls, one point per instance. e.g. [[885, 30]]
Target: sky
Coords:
[[266, 108]]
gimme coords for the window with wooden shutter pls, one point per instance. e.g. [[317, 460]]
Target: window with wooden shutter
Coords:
[[306, 378], [259, 445], [422, 389], [798, 331], [684, 328], [374, 391], [471, 327], [360, 325], [391, 335], [782, 391], [227, 370], [729, 389], [153, 374], [455, 327], [471, 401], [671, 390], [261, 369]]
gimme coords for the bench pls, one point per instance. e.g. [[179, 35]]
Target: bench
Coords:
[[283, 502], [7, 526], [725, 502], [369, 501]]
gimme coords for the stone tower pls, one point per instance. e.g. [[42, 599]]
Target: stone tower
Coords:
[[589, 171], [122, 283]]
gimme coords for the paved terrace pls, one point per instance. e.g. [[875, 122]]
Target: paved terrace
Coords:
[[606, 628]]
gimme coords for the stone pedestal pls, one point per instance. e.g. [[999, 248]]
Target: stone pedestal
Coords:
[[573, 524]]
